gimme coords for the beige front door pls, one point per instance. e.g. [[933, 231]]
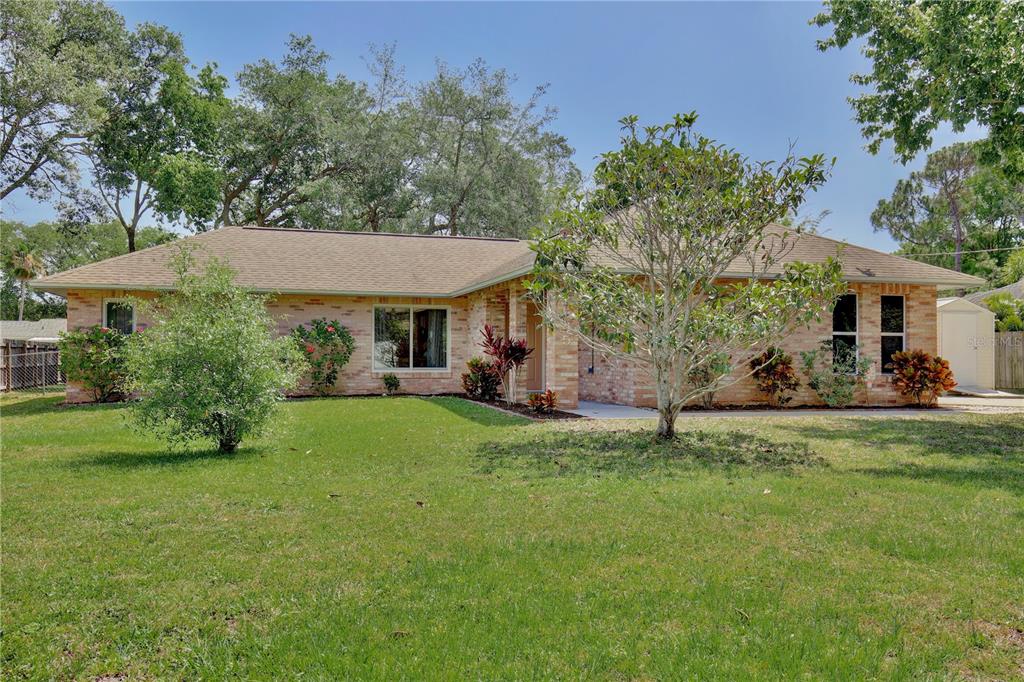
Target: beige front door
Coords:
[[535, 340]]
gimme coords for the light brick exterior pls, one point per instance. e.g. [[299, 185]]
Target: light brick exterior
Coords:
[[616, 381], [467, 316], [567, 362]]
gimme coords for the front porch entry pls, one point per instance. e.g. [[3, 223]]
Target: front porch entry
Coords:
[[535, 338]]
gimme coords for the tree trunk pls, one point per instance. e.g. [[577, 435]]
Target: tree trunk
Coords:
[[21, 300], [958, 235], [666, 423], [667, 412], [131, 240]]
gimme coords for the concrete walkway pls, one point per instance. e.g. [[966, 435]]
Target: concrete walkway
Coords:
[[594, 410], [947, 404]]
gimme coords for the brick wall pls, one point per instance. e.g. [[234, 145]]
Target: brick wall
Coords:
[[623, 382], [467, 315]]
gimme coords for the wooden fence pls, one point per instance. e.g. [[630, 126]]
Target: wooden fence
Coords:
[[29, 365], [1010, 360]]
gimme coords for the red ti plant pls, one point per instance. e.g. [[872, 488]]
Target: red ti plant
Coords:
[[509, 355], [921, 376]]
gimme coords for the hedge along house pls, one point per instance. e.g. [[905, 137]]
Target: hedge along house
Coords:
[[416, 304]]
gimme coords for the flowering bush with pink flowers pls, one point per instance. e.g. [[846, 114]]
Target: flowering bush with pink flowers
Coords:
[[91, 357], [327, 345]]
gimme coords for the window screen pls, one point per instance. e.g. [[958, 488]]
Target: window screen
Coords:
[[120, 316], [893, 329]]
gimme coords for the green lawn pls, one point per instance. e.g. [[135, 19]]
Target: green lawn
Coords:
[[409, 539]]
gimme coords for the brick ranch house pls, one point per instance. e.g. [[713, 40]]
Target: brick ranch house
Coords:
[[416, 304]]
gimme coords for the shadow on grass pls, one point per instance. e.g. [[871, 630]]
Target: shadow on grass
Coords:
[[984, 450], [43, 404], [141, 460], [1009, 477], [636, 453], [999, 437], [476, 412]]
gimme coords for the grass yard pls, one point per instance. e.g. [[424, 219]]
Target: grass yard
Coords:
[[407, 539]]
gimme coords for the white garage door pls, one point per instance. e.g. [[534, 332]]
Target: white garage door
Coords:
[[958, 332]]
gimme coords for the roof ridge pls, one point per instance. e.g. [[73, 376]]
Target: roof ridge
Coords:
[[880, 252], [379, 234]]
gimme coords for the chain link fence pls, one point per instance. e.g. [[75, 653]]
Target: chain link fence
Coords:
[[28, 365]]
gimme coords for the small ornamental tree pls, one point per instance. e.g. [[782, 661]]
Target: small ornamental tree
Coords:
[[921, 376], [675, 256], [835, 378], [327, 347], [508, 356], [210, 365], [774, 375], [92, 358]]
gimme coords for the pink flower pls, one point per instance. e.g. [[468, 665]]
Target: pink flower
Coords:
[[330, 328], [309, 348], [104, 329]]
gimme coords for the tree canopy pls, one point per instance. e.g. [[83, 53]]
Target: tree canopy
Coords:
[[58, 57], [60, 248], [935, 62], [955, 212], [637, 268]]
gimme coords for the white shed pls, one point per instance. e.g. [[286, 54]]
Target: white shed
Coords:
[[966, 334]]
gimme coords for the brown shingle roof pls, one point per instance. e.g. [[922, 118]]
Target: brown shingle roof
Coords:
[[309, 261], [860, 264], [325, 262]]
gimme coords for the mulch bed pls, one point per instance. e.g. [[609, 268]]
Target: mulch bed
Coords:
[[518, 408]]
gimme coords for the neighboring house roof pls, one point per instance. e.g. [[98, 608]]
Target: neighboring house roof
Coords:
[[1016, 290], [367, 263], [38, 329]]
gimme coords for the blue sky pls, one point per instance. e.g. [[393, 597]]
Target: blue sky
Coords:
[[749, 69]]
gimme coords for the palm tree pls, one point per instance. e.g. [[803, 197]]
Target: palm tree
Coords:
[[24, 266]]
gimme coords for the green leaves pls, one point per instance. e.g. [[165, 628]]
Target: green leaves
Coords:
[[952, 207], [935, 62], [64, 57], [93, 358], [156, 149], [210, 365], [674, 259], [327, 347]]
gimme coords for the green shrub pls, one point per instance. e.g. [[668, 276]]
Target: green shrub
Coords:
[[1009, 312], [775, 377], [482, 380], [210, 365], [921, 376], [835, 379], [391, 383], [92, 357], [707, 375], [327, 347]]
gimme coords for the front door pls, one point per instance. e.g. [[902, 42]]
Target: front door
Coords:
[[535, 340]]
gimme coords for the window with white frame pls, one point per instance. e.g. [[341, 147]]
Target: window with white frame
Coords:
[[410, 337], [894, 329], [119, 314], [844, 330]]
